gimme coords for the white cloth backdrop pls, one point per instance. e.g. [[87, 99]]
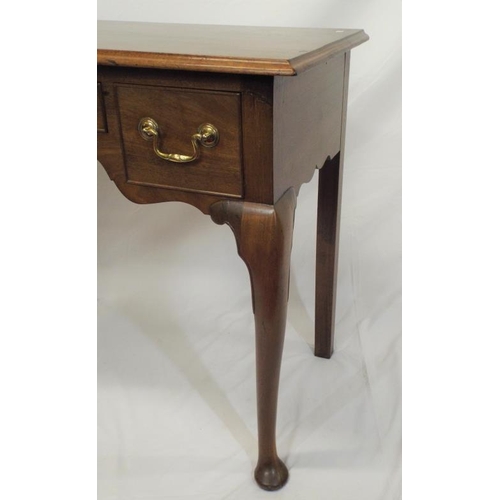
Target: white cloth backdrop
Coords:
[[176, 393]]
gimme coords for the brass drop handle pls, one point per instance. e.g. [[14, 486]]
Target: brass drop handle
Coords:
[[207, 136]]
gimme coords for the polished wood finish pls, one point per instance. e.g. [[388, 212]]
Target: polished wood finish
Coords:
[[328, 226], [275, 131], [111, 151], [264, 239], [307, 124], [327, 241], [221, 49], [179, 113], [101, 113], [257, 112]]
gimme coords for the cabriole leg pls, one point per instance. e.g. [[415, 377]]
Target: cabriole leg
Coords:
[[264, 238]]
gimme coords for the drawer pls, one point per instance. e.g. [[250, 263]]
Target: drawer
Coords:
[[178, 114], [101, 115]]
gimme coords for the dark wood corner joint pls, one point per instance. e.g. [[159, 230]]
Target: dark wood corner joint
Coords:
[[275, 102]]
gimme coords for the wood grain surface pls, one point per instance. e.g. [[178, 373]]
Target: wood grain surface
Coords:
[[327, 240], [179, 113], [264, 238], [224, 49], [277, 123], [307, 123]]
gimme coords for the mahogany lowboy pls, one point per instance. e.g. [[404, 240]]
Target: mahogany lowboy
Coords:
[[275, 103]]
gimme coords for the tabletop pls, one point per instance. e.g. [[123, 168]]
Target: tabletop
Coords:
[[225, 49]]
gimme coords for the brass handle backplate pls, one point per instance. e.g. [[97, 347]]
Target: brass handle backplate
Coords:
[[207, 136]]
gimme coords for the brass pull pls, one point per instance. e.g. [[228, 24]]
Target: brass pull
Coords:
[[207, 136]]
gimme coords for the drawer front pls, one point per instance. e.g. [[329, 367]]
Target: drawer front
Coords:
[[178, 114], [101, 115]]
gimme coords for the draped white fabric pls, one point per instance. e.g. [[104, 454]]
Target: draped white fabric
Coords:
[[176, 394]]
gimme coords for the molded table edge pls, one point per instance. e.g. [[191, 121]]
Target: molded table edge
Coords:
[[221, 64]]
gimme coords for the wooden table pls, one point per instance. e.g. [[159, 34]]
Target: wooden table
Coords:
[[233, 120]]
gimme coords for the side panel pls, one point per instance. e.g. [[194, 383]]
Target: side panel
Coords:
[[307, 122]]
